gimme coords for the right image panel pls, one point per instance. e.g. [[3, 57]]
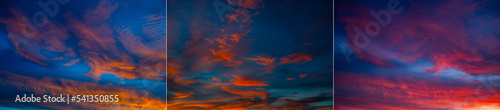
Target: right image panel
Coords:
[[417, 55]]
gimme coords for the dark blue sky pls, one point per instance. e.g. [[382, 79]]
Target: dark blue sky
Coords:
[[264, 55]]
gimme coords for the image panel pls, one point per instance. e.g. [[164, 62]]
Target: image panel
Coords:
[[250, 54], [83, 54], [417, 55]]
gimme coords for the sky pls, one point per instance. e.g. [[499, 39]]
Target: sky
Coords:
[[413, 54], [99, 47], [251, 54]]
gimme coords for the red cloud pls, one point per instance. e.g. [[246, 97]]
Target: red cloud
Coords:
[[448, 33], [246, 93], [303, 75], [407, 93], [244, 81]]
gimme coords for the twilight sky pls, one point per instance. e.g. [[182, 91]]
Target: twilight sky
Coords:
[[431, 55], [263, 54], [87, 47]]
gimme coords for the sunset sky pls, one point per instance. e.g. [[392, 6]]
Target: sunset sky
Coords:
[[253, 54], [85, 48], [263, 54], [431, 55]]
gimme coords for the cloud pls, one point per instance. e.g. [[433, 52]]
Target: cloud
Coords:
[[263, 60], [296, 58], [128, 98], [105, 47], [251, 4], [377, 92], [245, 81], [303, 75], [72, 62], [215, 79], [101, 50], [246, 93], [182, 94], [464, 38], [218, 56], [51, 38], [448, 35]]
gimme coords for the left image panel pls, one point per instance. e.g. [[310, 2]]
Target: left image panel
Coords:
[[83, 54]]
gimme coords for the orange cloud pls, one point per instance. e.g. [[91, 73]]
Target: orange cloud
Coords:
[[246, 93], [303, 75], [214, 104], [182, 94], [244, 81], [215, 79], [241, 15], [128, 98], [222, 47], [225, 55], [293, 58], [296, 58], [244, 99], [173, 67], [210, 47], [241, 105]]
